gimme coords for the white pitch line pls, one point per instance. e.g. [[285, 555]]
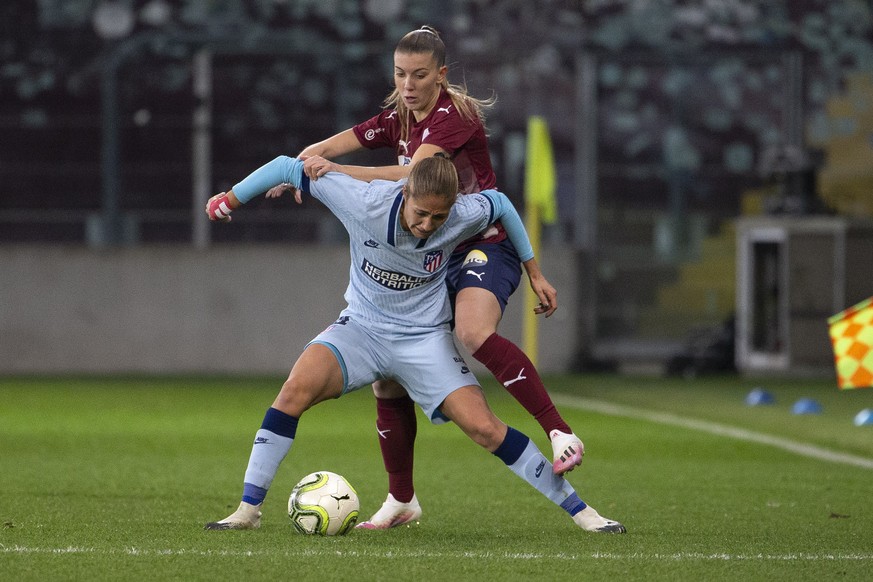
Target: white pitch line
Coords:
[[803, 449], [471, 555]]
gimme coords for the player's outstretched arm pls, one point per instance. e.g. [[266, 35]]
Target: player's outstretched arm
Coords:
[[340, 144], [318, 161], [318, 165], [280, 170]]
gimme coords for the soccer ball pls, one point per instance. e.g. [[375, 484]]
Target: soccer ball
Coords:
[[323, 503]]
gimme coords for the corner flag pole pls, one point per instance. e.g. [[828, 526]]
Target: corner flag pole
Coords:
[[540, 207]]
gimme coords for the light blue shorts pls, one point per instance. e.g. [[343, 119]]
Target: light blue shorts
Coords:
[[425, 362]]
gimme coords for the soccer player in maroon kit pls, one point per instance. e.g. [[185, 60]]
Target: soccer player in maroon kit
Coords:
[[423, 116]]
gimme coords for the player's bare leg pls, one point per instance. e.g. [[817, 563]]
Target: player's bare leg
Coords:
[[315, 377], [469, 410], [477, 315]]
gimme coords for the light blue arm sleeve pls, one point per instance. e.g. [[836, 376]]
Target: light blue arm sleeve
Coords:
[[282, 169], [506, 213]]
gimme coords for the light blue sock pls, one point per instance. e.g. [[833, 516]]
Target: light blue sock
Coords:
[[524, 459], [272, 443]]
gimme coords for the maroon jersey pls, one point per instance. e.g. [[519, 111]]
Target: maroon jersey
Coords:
[[444, 127]]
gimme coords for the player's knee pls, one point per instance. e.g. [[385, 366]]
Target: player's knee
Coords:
[[486, 430], [489, 435], [295, 398], [472, 334]]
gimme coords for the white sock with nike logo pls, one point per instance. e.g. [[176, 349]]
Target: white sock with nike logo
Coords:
[[524, 459], [268, 451], [272, 442]]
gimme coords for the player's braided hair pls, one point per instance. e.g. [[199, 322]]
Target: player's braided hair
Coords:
[[427, 40], [433, 176]]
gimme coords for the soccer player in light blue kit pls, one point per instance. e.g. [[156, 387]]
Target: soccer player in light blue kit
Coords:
[[396, 324]]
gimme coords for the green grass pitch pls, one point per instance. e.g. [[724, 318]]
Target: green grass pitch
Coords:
[[113, 479]]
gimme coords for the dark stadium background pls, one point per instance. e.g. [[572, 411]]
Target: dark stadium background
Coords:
[[704, 112]]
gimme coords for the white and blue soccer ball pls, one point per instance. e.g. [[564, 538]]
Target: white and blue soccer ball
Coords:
[[323, 503]]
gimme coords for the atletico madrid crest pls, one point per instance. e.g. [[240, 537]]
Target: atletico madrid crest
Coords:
[[433, 260]]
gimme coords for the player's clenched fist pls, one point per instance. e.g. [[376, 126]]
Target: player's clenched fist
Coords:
[[220, 206]]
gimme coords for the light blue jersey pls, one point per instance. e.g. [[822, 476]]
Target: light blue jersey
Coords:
[[393, 273], [396, 281], [396, 323]]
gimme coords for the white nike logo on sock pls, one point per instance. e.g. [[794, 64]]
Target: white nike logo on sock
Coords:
[[520, 377], [383, 433]]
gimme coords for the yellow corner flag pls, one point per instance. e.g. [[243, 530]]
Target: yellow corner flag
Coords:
[[852, 338], [540, 207], [540, 179]]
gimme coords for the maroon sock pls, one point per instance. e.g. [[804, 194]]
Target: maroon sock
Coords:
[[516, 372], [396, 423]]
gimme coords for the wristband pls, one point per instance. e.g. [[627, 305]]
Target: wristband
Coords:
[[218, 208]]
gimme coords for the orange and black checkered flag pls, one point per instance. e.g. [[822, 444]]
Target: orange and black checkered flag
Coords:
[[852, 338]]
